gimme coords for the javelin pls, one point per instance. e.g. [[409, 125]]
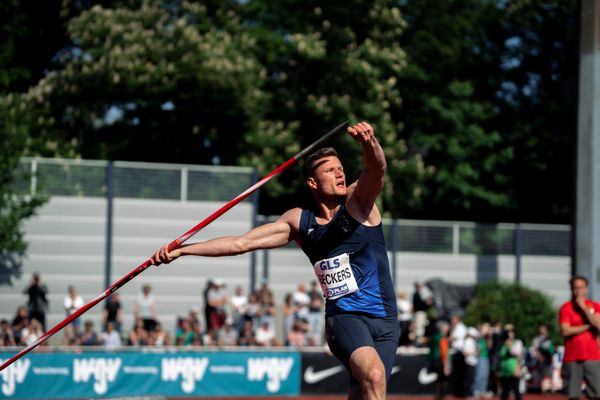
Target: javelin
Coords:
[[173, 245]]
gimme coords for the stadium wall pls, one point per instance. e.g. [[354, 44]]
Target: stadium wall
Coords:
[[67, 247]]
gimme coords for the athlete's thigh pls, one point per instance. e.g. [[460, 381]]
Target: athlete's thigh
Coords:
[[345, 333], [386, 342]]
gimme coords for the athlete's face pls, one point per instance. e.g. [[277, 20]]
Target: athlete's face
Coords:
[[328, 178]]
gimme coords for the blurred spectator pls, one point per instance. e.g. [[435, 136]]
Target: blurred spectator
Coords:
[[439, 359], [496, 336], [215, 303], [315, 315], [405, 317], [186, 336], [297, 335], [138, 335], [37, 301], [471, 354], [209, 338], [237, 304], [264, 291], [158, 337], [301, 301], [458, 333], [253, 310], [267, 305], [289, 315], [542, 350], [145, 308], [71, 303], [509, 367], [20, 322], [194, 318], [579, 320], [110, 338], [32, 332], [89, 336], [247, 335], [227, 335], [265, 335], [113, 312], [7, 338], [422, 301], [482, 371]]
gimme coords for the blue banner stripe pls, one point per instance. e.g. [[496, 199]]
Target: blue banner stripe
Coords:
[[60, 375]]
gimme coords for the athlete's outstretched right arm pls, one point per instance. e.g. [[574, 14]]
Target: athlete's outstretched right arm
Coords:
[[268, 236]]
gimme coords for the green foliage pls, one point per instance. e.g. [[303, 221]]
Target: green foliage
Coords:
[[14, 207], [447, 115], [519, 305], [152, 81], [538, 104], [328, 62], [473, 100], [488, 103]]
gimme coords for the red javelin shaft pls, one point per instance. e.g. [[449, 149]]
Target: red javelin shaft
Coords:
[[173, 245]]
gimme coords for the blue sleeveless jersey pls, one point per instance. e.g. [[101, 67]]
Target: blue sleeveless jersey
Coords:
[[368, 260]]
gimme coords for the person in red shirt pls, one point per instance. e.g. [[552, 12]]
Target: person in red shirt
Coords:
[[579, 324]]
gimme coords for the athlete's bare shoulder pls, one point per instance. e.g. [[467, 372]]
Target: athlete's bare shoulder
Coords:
[[292, 218]]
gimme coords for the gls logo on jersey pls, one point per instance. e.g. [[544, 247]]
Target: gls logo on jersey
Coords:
[[104, 371], [190, 369], [14, 374], [276, 369], [335, 276]]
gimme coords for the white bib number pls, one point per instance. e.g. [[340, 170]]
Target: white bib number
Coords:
[[335, 276]]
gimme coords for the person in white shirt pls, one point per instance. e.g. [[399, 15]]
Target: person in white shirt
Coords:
[[301, 301], [471, 354], [31, 332], [227, 335], [110, 338], [72, 303], [238, 304], [145, 308], [458, 333], [265, 335], [405, 316]]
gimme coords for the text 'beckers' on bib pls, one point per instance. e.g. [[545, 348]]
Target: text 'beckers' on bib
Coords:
[[335, 276]]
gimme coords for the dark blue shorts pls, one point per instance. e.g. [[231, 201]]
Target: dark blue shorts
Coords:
[[347, 332]]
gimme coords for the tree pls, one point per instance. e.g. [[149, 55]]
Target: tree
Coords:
[[489, 91], [150, 80], [327, 62], [519, 305], [447, 112], [15, 206], [537, 101], [470, 98], [30, 36], [227, 82]]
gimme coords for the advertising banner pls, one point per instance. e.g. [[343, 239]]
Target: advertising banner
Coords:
[[81, 375], [323, 374]]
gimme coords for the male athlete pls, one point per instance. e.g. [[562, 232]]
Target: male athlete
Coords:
[[344, 241]]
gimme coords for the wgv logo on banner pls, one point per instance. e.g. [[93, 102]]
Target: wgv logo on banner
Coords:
[[190, 369], [14, 374], [276, 369], [103, 370]]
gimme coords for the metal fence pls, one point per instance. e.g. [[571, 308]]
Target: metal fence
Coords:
[[141, 180], [219, 183], [481, 239]]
